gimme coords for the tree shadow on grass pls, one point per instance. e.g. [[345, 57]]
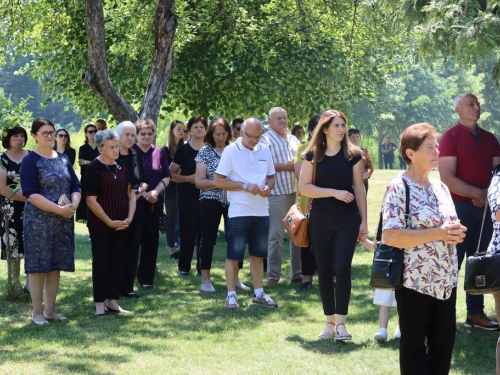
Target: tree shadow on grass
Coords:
[[326, 346]]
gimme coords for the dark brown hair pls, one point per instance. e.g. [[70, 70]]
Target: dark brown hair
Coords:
[[145, 123], [13, 131], [85, 131], [297, 127], [193, 120], [413, 137], [68, 144], [318, 141], [209, 136]]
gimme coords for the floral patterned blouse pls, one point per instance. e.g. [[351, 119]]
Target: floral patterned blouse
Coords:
[[494, 202], [430, 268]]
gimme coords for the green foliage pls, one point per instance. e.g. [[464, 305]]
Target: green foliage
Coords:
[[12, 114]]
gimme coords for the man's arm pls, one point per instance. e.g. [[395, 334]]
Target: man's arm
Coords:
[[448, 173]]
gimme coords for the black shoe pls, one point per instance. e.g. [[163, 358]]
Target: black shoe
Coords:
[[131, 295], [96, 314], [306, 285], [183, 274], [174, 256], [110, 310], [146, 286]]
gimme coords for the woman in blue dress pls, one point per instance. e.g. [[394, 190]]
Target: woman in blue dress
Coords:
[[53, 193]]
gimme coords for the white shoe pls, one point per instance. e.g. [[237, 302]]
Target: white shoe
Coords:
[[241, 286], [207, 286], [381, 335], [397, 333]]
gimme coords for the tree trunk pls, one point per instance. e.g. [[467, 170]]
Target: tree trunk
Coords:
[[380, 140], [97, 75]]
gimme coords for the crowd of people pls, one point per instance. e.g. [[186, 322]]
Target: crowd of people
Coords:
[[239, 173]]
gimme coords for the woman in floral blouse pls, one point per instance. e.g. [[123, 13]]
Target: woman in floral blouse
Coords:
[[426, 303]]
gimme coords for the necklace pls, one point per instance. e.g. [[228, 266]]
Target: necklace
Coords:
[[117, 167]]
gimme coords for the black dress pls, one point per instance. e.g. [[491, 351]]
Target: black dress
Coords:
[[71, 154], [15, 210], [86, 153]]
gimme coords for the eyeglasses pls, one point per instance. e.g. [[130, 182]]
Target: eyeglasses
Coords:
[[91, 131], [238, 128], [146, 134], [112, 148], [252, 136], [220, 135], [60, 135], [47, 134]]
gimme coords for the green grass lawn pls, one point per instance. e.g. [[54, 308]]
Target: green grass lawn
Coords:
[[174, 329]]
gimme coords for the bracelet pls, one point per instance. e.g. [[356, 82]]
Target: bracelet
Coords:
[[164, 186]]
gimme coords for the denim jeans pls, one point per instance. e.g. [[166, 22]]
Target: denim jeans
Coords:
[[253, 230]]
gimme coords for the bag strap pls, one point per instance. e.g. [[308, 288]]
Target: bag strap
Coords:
[[407, 211], [309, 202], [495, 171]]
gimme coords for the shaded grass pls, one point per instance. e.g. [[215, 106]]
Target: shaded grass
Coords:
[[174, 328]]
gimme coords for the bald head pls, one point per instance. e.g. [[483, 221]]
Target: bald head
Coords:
[[251, 131]]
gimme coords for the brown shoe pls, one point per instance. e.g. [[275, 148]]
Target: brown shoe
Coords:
[[481, 321], [271, 282], [294, 281]]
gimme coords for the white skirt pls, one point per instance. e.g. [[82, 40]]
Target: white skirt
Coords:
[[384, 298]]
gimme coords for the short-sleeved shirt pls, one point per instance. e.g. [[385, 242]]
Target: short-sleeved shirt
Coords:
[[282, 151], [474, 158], [430, 268], [303, 200], [388, 147], [184, 157], [240, 164], [109, 183], [334, 172], [209, 156]]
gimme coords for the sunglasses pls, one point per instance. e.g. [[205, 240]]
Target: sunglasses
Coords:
[[91, 131], [62, 135], [238, 128]]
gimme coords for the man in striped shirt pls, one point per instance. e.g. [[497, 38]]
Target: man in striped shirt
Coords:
[[283, 146]]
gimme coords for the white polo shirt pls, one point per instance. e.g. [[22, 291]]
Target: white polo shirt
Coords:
[[240, 164]]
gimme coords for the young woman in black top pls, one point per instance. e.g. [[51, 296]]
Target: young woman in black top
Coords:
[[334, 224], [182, 171], [175, 140], [111, 204], [135, 166], [62, 143], [86, 154]]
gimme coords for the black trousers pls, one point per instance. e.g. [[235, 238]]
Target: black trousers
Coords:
[[308, 261], [131, 249], [149, 242], [189, 228], [424, 317], [211, 212], [171, 212], [107, 263], [333, 239]]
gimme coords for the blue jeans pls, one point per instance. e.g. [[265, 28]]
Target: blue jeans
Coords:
[[253, 230], [472, 217]]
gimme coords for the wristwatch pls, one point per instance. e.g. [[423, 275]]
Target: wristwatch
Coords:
[[245, 185]]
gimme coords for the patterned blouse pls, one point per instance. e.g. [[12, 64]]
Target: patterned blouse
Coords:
[[494, 202], [430, 268], [210, 156]]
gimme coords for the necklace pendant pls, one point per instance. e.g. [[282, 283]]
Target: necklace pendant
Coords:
[[114, 176]]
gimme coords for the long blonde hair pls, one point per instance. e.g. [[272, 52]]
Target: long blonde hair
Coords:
[[318, 142], [171, 144]]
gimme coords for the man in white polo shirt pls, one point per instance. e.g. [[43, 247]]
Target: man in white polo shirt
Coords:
[[283, 146], [246, 172]]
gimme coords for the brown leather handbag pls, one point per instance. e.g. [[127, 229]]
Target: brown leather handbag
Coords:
[[296, 223]]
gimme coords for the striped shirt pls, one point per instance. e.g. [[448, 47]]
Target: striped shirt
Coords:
[[282, 151]]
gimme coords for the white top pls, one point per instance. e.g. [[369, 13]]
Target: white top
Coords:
[[282, 151], [240, 164]]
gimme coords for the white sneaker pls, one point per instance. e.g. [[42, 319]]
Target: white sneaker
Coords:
[[397, 333], [207, 286], [241, 286], [381, 335], [231, 302]]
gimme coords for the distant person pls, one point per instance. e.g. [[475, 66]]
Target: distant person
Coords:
[[101, 125], [355, 138], [246, 172], [467, 156], [298, 132], [62, 143], [236, 127], [283, 146], [388, 153]]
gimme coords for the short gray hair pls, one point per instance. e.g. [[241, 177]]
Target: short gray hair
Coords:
[[251, 119], [105, 135], [121, 126], [274, 109], [457, 99]]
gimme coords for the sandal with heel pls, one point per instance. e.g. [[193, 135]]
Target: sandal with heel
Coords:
[[326, 335], [342, 337]]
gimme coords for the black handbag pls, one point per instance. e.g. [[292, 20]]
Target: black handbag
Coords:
[[163, 222], [387, 267], [482, 270]]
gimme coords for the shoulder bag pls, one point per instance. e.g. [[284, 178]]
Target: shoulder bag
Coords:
[[387, 267], [296, 223]]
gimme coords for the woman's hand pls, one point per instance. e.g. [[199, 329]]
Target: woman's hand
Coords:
[[343, 195], [453, 232], [363, 232], [67, 211], [118, 224], [151, 196]]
